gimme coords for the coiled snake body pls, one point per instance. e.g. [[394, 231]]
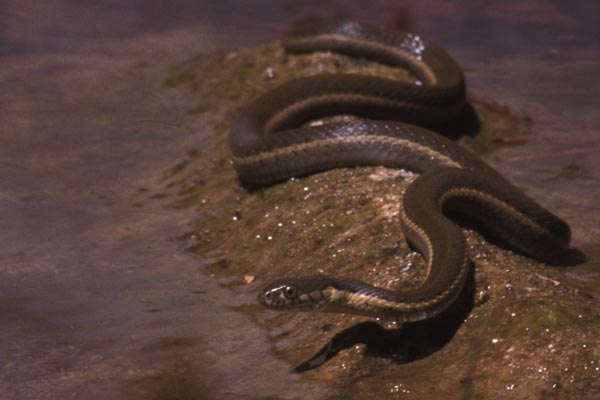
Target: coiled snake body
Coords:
[[269, 145]]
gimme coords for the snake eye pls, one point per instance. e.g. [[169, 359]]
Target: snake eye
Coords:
[[290, 292]]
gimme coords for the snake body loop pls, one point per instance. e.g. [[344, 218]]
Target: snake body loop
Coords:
[[269, 145]]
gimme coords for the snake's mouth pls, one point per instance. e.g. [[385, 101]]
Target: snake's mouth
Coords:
[[294, 295], [271, 300], [279, 296]]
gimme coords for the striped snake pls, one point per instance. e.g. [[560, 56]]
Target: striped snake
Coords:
[[270, 144]]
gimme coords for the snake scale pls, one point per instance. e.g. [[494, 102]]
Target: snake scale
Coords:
[[270, 143]]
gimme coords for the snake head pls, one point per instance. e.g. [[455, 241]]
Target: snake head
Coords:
[[307, 293], [279, 296]]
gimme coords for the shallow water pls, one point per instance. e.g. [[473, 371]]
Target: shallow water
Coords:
[[98, 298]]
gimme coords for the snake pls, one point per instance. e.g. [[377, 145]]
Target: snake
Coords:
[[271, 140]]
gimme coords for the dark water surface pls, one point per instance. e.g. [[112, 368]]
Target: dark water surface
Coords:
[[98, 299]]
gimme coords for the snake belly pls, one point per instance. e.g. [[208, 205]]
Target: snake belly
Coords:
[[270, 144]]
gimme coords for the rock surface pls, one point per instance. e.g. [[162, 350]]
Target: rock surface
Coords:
[[520, 330]]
